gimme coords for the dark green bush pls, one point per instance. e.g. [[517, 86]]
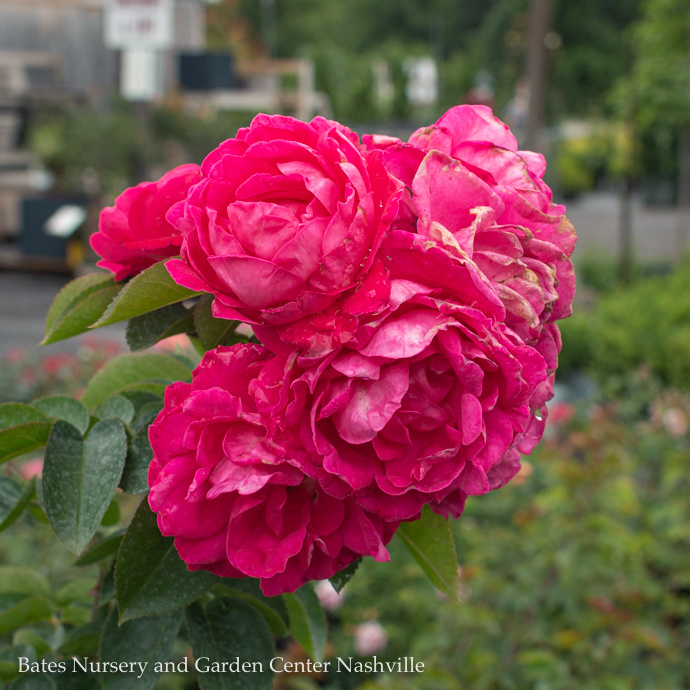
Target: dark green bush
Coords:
[[646, 325]]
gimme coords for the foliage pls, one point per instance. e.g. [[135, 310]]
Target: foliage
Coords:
[[100, 152], [463, 37], [654, 94], [196, 133], [601, 272], [602, 151], [593, 55], [662, 69], [136, 601], [576, 576], [642, 326], [25, 375], [91, 151]]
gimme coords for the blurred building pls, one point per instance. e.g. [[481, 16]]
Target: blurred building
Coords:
[[68, 52], [53, 53]]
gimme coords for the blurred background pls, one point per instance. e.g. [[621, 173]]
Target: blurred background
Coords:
[[577, 574]]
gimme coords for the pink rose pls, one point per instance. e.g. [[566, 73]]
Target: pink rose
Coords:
[[470, 189], [288, 218], [134, 233], [413, 261], [223, 484], [420, 407]]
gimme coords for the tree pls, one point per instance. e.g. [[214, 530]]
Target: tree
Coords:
[[660, 79]]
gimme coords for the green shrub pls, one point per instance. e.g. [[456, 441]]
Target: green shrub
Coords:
[[574, 576], [576, 354], [595, 152], [646, 325]]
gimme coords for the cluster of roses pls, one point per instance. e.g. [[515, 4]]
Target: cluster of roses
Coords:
[[405, 295]]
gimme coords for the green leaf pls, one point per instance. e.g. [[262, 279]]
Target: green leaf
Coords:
[[142, 640], [84, 640], [108, 586], [150, 290], [76, 615], [126, 371], [147, 414], [73, 292], [16, 414], [139, 455], [224, 630], [80, 589], [34, 681], [308, 623], [23, 429], [247, 589], [147, 329], [31, 637], [9, 656], [8, 670], [81, 313], [150, 578], [20, 580], [25, 612], [22, 439], [140, 399], [342, 577], [14, 497], [80, 478], [77, 680], [210, 330], [112, 515], [101, 550], [65, 408], [430, 541], [115, 406]]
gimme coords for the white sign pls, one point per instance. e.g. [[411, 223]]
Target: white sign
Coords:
[[140, 74], [138, 23], [422, 80]]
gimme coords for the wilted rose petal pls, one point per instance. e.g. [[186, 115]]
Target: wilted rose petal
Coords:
[[472, 191]]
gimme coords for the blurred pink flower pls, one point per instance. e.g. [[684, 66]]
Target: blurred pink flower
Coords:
[[329, 598], [675, 422], [370, 638], [31, 468], [15, 355]]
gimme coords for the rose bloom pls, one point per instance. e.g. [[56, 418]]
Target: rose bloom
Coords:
[[434, 401], [222, 483], [134, 233], [469, 188], [288, 218]]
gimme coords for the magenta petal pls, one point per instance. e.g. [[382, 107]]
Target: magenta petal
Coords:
[[258, 283], [182, 275], [404, 336], [472, 423], [371, 405], [446, 192]]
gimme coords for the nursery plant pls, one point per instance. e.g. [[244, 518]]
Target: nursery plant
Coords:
[[375, 329]]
